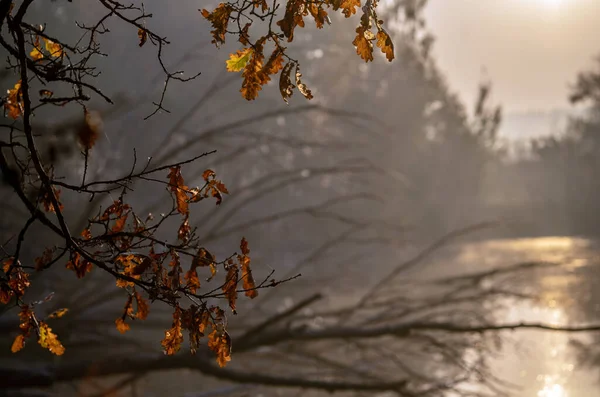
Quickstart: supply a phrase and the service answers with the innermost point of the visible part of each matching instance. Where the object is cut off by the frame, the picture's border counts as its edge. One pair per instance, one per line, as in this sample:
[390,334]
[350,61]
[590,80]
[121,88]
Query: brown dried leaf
[230,287]
[207,174]
[177,186]
[318,13]
[286,87]
[79,265]
[90,129]
[219,19]
[301,86]
[294,12]
[19,281]
[143,36]
[253,78]
[5,293]
[184,231]
[244,37]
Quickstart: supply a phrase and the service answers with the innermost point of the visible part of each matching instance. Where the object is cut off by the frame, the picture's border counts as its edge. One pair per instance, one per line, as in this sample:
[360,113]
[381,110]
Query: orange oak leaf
[384,42]
[247,278]
[18,343]
[26,319]
[131,268]
[191,277]
[220,343]
[47,199]
[349,7]
[44,260]
[121,325]
[79,265]
[142,306]
[173,336]
[86,234]
[14,101]
[364,47]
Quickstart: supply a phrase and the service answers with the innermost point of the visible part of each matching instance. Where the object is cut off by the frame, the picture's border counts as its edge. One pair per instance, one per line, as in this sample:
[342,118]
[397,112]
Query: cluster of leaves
[257,72]
[120,242]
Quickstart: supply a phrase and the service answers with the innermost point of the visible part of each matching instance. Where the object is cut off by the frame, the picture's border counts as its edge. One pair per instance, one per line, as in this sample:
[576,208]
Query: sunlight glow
[554,390]
[551,3]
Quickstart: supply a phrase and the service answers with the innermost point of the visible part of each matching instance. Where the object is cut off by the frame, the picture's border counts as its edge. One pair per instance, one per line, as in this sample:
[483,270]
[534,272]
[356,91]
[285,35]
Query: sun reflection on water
[553,390]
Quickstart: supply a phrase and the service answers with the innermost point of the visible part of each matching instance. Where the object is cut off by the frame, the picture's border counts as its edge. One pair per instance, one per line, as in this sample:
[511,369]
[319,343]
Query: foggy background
[490,113]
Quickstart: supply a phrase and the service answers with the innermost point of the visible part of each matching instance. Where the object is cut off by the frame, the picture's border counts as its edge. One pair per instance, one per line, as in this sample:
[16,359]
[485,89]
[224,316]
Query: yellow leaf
[36,53]
[53,48]
[58,313]
[238,61]
[47,339]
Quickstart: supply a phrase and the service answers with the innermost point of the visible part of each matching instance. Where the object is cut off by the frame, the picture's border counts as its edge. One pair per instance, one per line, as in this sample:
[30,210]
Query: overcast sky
[530,49]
